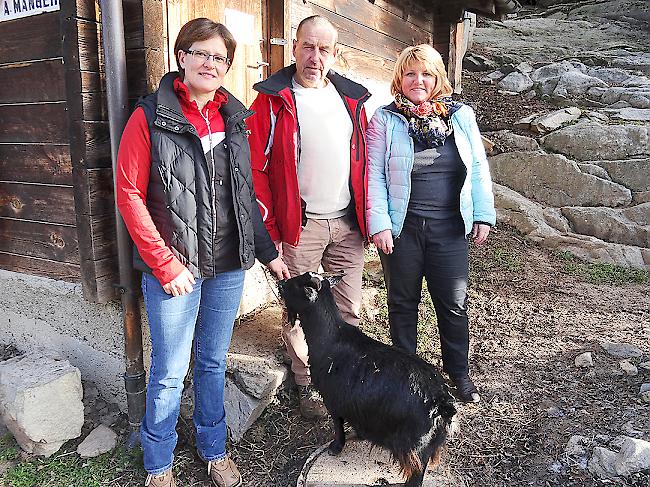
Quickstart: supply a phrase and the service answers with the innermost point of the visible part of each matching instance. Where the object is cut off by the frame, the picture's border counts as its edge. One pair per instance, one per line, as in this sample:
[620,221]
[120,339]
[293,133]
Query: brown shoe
[165,479]
[311,404]
[224,473]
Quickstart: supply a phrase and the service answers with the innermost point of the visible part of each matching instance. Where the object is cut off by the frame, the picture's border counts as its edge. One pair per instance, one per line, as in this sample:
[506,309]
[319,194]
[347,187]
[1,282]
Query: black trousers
[436,250]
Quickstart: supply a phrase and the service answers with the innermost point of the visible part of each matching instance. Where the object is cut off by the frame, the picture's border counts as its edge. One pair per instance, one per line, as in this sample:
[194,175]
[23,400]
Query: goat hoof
[335,448]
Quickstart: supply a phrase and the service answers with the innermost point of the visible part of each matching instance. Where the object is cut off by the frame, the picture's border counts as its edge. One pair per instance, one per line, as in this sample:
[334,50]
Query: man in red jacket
[309,156]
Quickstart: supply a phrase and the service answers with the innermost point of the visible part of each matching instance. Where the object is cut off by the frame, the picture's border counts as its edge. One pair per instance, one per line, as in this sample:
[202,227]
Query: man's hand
[181,284]
[279,268]
[384,241]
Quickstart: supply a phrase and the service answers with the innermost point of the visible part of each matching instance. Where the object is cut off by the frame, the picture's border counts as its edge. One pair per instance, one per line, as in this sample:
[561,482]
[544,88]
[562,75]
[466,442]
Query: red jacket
[275,150]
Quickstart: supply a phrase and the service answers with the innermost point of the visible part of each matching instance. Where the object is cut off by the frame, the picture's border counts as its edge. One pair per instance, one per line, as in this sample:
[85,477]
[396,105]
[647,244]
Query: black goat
[391,398]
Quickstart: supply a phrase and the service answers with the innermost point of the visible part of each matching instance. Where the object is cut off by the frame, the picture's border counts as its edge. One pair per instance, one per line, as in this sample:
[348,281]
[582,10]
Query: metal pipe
[118,112]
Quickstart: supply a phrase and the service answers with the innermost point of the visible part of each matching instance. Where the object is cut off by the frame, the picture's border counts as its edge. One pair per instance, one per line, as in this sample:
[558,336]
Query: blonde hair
[431,60]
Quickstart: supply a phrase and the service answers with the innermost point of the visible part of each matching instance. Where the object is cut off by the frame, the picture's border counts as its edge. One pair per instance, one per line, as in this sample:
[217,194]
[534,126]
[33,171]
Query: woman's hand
[279,268]
[181,284]
[384,241]
[480,232]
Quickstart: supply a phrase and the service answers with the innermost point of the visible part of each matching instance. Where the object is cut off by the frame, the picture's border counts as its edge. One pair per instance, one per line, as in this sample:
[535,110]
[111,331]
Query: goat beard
[291,318]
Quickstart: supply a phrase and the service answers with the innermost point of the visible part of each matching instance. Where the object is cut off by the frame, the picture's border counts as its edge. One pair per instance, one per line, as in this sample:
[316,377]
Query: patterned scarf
[430,121]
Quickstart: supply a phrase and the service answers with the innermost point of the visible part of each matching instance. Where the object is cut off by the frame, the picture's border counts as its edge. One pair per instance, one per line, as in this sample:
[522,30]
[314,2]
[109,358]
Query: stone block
[41,401]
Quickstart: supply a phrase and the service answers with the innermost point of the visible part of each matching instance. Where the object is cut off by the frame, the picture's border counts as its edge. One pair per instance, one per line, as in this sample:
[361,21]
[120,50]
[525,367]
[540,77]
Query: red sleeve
[132,181]
[261,140]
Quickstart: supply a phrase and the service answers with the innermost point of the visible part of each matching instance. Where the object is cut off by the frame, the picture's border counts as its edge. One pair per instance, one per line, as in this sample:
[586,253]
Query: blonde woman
[429,188]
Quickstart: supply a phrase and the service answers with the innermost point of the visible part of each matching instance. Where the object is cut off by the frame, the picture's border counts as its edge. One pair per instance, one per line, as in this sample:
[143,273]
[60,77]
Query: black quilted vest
[180,195]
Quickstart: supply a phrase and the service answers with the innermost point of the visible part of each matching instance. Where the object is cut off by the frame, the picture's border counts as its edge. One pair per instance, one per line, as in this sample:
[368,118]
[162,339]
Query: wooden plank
[410,12]
[39,122]
[87,9]
[32,81]
[373,17]
[456,53]
[36,239]
[36,163]
[88,39]
[133,24]
[136,73]
[279,27]
[40,267]
[97,144]
[94,107]
[154,14]
[99,235]
[94,193]
[45,203]
[355,35]
[92,81]
[36,37]
[352,60]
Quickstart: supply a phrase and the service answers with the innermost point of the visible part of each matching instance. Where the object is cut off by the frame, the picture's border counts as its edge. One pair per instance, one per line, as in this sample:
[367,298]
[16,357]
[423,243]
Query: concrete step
[359,465]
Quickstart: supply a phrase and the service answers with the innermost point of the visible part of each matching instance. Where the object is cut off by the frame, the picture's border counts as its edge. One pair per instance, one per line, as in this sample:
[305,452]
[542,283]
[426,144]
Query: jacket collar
[169,106]
[281,80]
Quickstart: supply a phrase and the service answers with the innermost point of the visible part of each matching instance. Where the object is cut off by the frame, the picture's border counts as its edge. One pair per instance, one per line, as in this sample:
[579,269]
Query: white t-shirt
[324,161]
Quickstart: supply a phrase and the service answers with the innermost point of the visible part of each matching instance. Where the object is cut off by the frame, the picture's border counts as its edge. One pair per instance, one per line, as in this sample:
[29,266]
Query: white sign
[242,26]
[17,9]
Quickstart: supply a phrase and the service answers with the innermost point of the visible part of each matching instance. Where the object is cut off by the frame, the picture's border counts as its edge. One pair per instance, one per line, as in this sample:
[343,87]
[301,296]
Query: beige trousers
[337,246]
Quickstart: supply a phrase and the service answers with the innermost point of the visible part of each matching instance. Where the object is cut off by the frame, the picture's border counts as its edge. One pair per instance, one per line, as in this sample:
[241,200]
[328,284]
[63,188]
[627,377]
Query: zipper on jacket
[212,179]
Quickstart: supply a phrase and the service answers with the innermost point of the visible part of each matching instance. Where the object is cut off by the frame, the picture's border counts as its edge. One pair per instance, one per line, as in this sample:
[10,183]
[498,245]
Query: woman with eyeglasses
[185,191]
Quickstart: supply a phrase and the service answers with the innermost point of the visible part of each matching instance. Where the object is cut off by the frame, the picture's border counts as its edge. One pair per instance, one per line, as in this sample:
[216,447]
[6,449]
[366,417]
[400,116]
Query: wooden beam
[39,202]
[32,81]
[456,53]
[279,30]
[36,163]
[38,122]
[36,37]
[154,13]
[38,239]
[40,267]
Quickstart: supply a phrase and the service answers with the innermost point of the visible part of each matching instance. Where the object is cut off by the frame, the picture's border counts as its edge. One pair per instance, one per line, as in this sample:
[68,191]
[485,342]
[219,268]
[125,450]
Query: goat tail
[410,463]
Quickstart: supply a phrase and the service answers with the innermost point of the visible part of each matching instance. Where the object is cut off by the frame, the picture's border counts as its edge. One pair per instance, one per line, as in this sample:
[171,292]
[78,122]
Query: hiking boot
[465,389]
[165,479]
[224,473]
[311,404]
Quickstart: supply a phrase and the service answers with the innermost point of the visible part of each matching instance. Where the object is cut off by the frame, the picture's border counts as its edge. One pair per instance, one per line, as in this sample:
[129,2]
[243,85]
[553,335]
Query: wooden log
[36,37]
[380,20]
[409,12]
[279,21]
[94,107]
[40,267]
[456,53]
[155,42]
[88,40]
[32,81]
[97,144]
[133,24]
[352,60]
[38,123]
[38,202]
[361,37]
[94,193]
[36,239]
[36,163]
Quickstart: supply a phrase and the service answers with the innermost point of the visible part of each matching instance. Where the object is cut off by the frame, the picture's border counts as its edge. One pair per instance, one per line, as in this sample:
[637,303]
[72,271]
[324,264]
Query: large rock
[622,350]
[554,180]
[574,83]
[612,225]
[588,141]
[602,462]
[631,114]
[516,82]
[632,173]
[633,457]
[506,141]
[525,215]
[555,120]
[41,401]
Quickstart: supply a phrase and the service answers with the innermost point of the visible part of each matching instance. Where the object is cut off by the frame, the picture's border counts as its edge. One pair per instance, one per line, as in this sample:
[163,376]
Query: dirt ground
[530,317]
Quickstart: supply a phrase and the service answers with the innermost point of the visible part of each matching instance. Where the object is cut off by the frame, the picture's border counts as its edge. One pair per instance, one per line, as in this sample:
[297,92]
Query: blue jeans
[206,315]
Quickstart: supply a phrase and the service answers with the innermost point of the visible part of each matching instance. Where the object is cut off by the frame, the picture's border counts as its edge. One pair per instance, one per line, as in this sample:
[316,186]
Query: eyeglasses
[203,56]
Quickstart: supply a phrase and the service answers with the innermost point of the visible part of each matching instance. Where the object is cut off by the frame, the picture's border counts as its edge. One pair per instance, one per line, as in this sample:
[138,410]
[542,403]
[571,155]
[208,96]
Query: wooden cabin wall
[371,34]
[37,213]
[90,150]
[56,192]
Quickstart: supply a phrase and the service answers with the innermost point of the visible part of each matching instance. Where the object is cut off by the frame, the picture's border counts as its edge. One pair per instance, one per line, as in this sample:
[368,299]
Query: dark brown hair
[202,29]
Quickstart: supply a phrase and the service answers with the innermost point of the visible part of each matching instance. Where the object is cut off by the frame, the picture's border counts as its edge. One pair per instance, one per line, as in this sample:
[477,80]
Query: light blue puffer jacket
[390,161]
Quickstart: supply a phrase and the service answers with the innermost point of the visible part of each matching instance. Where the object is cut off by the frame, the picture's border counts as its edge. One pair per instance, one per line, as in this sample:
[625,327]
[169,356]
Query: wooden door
[246,19]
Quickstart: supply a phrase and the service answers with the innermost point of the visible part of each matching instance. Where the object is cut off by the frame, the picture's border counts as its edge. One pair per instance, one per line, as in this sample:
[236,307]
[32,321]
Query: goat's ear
[316,282]
[333,278]
[311,293]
